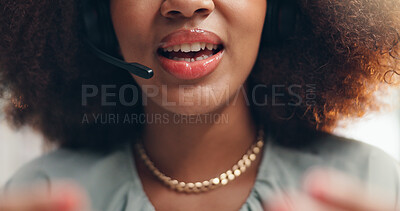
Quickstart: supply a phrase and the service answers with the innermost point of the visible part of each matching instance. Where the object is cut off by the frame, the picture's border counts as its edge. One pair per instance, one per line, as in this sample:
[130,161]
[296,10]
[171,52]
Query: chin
[193,108]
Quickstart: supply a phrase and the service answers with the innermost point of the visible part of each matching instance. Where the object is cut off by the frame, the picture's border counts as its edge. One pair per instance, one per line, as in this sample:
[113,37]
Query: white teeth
[185,48]
[178,59]
[203,45]
[210,46]
[191,59]
[194,47]
[177,48]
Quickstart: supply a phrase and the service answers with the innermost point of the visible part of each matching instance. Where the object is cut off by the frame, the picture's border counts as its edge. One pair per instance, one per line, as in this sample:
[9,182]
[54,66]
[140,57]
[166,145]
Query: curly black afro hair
[344,49]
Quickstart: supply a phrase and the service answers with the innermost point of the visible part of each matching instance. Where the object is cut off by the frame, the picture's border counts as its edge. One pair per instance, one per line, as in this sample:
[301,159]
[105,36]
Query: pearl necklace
[195,187]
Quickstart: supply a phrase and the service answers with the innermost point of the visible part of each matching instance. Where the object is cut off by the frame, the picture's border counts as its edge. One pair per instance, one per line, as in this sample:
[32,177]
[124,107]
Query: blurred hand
[63,197]
[328,190]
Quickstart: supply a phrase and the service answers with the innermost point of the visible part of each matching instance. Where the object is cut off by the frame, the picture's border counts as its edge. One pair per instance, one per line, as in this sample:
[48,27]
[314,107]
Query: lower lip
[191,70]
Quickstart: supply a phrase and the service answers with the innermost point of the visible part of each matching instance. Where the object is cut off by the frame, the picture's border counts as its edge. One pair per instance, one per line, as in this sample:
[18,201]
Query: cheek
[245,19]
[247,16]
[132,22]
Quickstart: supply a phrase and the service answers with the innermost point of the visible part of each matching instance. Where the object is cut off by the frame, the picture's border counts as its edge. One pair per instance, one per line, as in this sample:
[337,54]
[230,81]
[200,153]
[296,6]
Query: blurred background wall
[16,148]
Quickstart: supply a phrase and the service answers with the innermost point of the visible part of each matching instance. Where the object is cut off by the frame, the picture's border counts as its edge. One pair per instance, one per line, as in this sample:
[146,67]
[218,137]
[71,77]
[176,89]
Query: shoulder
[326,149]
[108,179]
[365,162]
[65,164]
[362,160]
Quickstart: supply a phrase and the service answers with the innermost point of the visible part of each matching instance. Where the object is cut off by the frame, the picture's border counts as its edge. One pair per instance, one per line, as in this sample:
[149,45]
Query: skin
[197,152]
[152,21]
[185,144]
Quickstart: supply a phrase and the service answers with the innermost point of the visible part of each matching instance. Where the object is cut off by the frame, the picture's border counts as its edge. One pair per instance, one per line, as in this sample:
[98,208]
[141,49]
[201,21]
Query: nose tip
[186,8]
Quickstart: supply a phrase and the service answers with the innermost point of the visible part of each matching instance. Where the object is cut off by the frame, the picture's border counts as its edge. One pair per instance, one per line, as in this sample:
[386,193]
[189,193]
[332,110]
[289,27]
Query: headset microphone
[101,40]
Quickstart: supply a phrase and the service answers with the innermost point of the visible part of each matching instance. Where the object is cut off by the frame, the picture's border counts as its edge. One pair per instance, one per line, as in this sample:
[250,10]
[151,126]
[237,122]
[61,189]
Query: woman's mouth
[190,54]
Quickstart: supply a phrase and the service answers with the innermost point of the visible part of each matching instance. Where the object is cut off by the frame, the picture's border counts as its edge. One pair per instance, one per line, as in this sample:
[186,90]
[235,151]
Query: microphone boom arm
[134,68]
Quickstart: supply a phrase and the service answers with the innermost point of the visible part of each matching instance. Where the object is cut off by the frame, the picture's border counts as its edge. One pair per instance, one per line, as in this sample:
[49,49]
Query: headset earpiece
[99,28]
[280,22]
[101,39]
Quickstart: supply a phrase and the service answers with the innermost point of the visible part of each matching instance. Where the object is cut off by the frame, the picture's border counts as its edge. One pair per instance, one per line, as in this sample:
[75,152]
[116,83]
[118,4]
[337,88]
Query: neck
[193,151]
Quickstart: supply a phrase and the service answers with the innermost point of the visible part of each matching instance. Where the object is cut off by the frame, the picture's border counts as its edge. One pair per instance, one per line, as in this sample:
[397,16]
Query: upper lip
[190,36]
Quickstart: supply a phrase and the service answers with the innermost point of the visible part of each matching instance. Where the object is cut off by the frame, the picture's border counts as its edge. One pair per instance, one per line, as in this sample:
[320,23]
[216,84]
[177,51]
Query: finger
[63,197]
[343,191]
[298,202]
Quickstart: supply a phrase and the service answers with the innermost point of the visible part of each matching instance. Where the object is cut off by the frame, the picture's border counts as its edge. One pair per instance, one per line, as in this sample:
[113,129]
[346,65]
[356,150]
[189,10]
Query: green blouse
[112,182]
